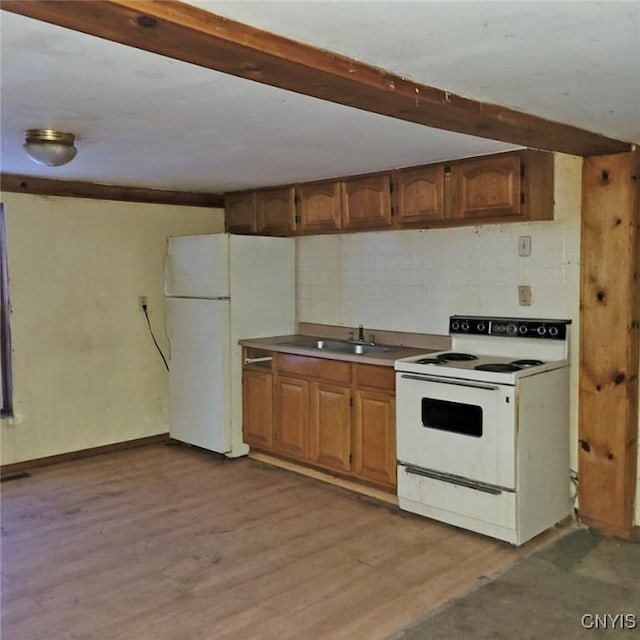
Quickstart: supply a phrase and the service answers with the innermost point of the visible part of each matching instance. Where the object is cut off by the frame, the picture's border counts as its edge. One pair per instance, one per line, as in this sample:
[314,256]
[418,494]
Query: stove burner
[527,363]
[430,361]
[499,367]
[453,356]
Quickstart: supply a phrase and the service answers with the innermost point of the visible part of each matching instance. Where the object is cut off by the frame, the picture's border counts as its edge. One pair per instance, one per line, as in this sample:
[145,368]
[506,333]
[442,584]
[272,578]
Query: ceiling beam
[16,183]
[184,32]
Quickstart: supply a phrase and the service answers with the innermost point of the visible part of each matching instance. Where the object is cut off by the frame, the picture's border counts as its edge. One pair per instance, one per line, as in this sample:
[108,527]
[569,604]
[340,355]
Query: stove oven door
[457,427]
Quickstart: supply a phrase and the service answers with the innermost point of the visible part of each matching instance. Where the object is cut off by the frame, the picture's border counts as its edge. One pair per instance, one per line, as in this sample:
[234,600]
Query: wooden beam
[184,32]
[609,344]
[16,183]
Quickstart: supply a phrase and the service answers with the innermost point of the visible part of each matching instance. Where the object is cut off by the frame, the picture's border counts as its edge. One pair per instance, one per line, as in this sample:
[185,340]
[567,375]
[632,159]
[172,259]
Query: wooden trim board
[16,183]
[378,494]
[184,32]
[8,470]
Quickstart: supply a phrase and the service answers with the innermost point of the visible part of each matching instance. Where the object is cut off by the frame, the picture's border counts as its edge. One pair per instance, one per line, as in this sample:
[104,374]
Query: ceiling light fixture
[49,147]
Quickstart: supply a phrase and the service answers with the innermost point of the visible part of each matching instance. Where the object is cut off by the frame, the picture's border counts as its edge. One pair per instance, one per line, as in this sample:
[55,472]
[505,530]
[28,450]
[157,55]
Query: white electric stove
[483,429]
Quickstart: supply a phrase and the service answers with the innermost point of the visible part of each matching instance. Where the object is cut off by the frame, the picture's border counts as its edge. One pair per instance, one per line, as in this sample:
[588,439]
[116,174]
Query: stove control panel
[509,327]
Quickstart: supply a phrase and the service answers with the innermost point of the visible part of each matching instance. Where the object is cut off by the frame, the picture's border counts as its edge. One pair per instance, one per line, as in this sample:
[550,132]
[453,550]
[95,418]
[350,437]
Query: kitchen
[113,388]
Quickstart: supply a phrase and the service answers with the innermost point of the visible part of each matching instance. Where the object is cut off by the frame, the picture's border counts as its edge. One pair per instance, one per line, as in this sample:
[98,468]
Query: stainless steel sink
[369,348]
[339,346]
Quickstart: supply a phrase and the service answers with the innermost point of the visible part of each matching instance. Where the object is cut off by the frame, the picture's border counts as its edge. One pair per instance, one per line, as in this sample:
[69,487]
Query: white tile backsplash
[413,280]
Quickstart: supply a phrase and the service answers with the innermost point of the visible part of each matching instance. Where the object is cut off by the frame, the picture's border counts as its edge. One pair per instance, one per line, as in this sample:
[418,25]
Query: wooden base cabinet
[330,426]
[291,429]
[334,415]
[257,408]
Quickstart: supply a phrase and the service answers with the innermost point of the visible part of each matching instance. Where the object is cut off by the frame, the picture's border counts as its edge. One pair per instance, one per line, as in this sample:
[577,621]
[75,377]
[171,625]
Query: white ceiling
[145,120]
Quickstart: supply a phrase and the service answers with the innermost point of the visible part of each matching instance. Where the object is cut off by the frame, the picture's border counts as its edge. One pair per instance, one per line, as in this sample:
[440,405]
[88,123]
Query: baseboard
[631,533]
[372,492]
[21,467]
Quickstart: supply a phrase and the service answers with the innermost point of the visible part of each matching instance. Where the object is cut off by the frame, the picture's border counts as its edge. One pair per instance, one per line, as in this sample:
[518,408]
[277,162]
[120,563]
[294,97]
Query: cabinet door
[291,428]
[374,447]
[319,207]
[257,409]
[366,202]
[240,212]
[487,187]
[276,211]
[330,426]
[420,195]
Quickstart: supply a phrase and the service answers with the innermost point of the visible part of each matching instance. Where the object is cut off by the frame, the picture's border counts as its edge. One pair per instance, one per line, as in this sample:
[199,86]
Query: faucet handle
[372,338]
[351,335]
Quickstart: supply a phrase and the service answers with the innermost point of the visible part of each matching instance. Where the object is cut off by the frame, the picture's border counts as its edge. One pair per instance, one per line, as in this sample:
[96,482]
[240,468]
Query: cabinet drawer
[332,370]
[367,375]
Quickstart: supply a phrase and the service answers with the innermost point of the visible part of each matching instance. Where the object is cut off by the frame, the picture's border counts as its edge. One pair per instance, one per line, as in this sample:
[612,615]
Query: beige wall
[413,280]
[86,372]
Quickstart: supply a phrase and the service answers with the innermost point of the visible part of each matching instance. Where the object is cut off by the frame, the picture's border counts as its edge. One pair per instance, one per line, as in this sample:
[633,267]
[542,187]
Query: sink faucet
[361,338]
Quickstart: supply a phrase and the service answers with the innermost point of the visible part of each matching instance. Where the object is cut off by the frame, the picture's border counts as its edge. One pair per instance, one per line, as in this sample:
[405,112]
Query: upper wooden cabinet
[419,193]
[240,212]
[516,185]
[505,187]
[366,202]
[276,211]
[319,207]
[486,187]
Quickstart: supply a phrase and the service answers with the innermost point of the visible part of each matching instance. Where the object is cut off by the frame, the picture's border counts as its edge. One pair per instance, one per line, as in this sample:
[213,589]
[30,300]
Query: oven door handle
[459,383]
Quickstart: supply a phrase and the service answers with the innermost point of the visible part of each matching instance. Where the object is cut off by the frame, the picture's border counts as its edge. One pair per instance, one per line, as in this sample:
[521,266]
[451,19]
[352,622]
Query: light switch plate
[524,246]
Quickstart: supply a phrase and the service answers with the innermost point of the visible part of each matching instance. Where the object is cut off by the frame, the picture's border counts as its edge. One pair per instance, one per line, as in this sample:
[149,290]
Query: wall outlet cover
[524,295]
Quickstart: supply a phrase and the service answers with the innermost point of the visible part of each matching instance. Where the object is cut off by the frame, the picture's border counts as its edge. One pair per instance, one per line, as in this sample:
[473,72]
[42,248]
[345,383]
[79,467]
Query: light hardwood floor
[171,543]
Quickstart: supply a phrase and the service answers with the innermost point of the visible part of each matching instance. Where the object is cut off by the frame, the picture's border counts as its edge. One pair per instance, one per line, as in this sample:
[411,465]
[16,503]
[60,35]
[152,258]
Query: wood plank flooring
[171,543]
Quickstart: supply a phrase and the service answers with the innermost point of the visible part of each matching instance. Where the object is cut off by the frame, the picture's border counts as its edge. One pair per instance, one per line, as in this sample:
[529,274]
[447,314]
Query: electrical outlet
[524,295]
[524,246]
[142,302]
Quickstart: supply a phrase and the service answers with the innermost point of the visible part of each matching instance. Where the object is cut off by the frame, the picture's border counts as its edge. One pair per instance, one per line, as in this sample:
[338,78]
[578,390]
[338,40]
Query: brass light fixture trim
[50,147]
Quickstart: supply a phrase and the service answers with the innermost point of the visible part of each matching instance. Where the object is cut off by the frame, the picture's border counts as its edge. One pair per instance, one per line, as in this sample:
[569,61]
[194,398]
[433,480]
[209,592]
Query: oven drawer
[493,514]
[459,427]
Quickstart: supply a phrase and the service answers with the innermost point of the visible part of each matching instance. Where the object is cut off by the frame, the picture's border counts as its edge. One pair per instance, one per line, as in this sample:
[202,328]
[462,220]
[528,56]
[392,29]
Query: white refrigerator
[220,288]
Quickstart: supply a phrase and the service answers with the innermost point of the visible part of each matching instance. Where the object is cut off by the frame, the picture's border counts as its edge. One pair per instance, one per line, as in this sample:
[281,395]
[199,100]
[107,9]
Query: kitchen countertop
[281,344]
